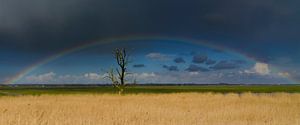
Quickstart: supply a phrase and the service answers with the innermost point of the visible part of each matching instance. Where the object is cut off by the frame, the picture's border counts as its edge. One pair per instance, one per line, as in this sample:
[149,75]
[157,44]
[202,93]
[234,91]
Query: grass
[152,109]
[159,105]
[150,89]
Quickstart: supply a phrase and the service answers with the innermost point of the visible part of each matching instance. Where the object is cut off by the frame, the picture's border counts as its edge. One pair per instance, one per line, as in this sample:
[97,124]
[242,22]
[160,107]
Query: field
[152,109]
[151,105]
[39,90]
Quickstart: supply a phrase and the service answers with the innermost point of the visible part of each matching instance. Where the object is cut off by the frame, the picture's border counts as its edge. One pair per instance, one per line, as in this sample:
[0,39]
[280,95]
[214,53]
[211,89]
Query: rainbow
[65,52]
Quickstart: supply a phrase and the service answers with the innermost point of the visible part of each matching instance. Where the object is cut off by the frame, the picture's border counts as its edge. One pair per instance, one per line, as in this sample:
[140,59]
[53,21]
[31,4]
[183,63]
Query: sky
[170,41]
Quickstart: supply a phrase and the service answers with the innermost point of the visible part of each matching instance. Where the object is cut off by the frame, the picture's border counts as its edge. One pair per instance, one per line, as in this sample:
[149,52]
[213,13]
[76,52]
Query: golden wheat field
[152,109]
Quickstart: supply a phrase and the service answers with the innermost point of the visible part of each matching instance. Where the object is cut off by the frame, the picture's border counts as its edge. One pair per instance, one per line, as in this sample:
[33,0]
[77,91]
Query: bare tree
[119,80]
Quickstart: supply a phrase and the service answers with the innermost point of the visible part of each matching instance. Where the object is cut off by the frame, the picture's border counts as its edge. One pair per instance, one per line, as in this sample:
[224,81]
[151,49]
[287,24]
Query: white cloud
[93,76]
[194,73]
[250,76]
[259,68]
[284,74]
[251,71]
[158,56]
[42,78]
[144,77]
[147,75]
[53,78]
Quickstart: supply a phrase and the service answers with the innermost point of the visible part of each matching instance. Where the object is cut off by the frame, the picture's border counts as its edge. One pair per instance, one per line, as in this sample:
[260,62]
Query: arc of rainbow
[46,60]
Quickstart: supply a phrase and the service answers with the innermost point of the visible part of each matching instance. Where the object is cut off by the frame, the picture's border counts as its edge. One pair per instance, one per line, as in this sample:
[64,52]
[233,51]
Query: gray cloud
[171,68]
[210,62]
[239,61]
[225,65]
[158,56]
[195,68]
[138,65]
[179,60]
[199,58]
[193,53]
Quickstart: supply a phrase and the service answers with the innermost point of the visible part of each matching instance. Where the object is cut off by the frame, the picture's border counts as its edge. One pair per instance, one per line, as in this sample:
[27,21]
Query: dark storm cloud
[199,58]
[138,65]
[219,50]
[210,62]
[239,61]
[195,68]
[171,68]
[193,53]
[225,65]
[179,60]
[52,25]
[262,29]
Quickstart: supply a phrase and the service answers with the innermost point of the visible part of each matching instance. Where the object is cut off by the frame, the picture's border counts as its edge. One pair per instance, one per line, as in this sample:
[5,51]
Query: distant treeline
[149,84]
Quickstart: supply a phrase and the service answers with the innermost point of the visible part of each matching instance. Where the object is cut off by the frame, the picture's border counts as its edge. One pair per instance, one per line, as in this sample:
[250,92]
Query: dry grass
[152,109]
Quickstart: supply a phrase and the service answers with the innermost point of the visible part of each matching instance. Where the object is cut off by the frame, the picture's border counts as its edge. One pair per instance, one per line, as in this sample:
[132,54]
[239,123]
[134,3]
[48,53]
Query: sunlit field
[152,109]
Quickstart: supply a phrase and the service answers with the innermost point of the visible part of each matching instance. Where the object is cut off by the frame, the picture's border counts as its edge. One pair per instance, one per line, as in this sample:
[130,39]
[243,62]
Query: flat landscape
[39,90]
[152,109]
[149,62]
[151,105]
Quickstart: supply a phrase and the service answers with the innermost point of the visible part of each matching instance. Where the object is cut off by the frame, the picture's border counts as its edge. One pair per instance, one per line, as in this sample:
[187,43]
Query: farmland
[152,109]
[151,105]
[39,90]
